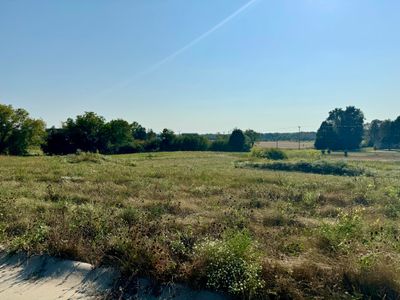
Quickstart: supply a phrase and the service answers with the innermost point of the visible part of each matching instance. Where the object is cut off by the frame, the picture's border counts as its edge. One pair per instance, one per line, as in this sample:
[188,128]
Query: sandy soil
[46,278]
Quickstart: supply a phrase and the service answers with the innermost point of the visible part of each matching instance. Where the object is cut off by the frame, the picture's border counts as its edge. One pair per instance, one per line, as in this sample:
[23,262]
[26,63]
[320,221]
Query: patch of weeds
[339,237]
[376,279]
[32,239]
[277,219]
[181,245]
[256,203]
[392,205]
[206,191]
[130,216]
[87,222]
[285,215]
[158,209]
[90,157]
[310,200]
[329,211]
[231,264]
[236,218]
[269,153]
[57,194]
[293,248]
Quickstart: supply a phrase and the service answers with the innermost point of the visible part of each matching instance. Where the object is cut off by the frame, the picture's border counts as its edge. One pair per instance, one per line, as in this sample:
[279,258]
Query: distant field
[286,145]
[378,155]
[202,219]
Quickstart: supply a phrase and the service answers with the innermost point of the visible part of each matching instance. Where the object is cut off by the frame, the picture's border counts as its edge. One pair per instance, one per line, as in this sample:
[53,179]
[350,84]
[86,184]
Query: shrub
[317,167]
[86,157]
[269,153]
[232,264]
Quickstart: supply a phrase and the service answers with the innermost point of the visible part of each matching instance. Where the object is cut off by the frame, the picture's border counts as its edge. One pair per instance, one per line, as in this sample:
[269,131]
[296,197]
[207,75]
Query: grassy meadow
[214,221]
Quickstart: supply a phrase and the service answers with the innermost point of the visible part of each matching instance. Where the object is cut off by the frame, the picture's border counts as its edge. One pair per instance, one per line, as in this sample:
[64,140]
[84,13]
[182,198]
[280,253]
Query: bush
[86,157]
[317,167]
[232,264]
[269,153]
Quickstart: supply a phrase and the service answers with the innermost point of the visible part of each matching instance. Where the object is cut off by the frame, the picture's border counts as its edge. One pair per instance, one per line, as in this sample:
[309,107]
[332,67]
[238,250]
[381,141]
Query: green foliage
[138,131]
[269,153]
[392,204]
[232,264]
[87,132]
[237,141]
[342,130]
[220,144]
[326,136]
[130,216]
[90,157]
[383,134]
[118,134]
[341,235]
[318,167]
[18,131]
[252,136]
[191,142]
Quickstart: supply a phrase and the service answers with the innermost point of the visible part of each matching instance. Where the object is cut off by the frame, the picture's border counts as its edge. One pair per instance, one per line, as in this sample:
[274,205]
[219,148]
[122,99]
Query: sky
[201,66]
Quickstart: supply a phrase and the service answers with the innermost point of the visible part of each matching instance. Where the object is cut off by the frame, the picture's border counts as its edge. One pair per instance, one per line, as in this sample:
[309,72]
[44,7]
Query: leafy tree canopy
[18,131]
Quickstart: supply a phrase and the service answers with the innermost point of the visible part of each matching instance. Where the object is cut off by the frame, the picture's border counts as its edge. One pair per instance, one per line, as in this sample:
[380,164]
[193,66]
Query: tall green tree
[386,135]
[237,141]
[396,132]
[87,132]
[138,131]
[252,136]
[167,140]
[18,131]
[348,126]
[326,137]
[373,136]
[118,134]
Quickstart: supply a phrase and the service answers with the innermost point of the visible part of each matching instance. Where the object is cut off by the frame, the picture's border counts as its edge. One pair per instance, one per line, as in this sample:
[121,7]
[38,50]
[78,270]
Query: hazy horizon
[204,66]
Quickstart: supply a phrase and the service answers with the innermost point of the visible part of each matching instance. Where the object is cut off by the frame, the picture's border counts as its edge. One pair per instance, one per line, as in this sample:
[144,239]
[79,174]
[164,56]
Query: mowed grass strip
[193,217]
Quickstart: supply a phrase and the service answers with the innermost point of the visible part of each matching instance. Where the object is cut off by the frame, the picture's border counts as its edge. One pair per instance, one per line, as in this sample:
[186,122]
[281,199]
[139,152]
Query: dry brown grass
[286,145]
[314,235]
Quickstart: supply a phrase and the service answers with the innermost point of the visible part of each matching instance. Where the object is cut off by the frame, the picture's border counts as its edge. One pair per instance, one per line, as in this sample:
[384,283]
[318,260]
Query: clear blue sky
[275,65]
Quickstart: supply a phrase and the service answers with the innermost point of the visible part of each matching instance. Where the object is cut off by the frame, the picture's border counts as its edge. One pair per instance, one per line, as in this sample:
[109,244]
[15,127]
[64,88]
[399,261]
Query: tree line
[383,134]
[344,130]
[90,132]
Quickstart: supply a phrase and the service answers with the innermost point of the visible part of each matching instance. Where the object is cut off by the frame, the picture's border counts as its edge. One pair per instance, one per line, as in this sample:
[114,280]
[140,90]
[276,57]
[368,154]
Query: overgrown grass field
[213,221]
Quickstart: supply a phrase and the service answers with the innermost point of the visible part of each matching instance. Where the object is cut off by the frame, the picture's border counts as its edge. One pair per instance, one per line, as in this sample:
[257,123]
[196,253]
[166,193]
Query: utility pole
[299,136]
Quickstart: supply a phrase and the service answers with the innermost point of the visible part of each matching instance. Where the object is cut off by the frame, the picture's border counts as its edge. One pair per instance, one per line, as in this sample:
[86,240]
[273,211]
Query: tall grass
[194,218]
